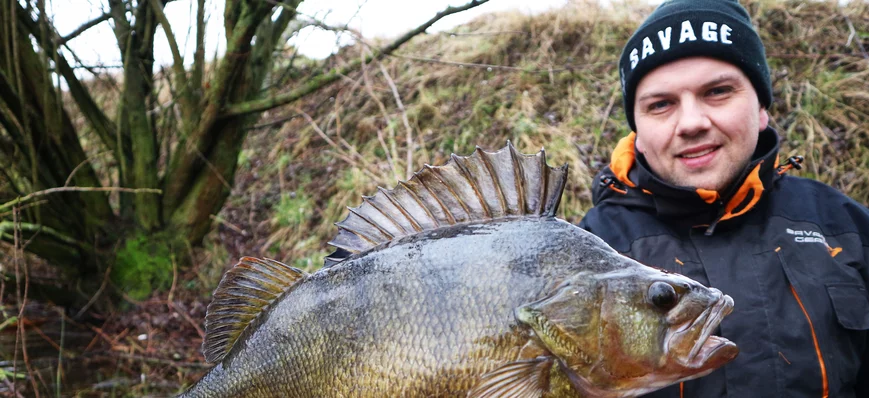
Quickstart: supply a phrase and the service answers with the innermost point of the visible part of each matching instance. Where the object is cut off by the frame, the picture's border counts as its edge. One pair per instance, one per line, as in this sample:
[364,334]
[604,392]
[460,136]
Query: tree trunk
[66,214]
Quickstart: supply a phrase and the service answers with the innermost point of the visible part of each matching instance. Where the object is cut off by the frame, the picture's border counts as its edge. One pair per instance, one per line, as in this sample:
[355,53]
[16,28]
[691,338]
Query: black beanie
[677,29]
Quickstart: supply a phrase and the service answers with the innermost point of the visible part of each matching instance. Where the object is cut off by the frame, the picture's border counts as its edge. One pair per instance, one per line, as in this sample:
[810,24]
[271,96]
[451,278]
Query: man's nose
[693,117]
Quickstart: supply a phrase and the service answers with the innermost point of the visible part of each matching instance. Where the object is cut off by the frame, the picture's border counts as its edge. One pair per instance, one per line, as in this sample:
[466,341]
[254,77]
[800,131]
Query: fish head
[631,331]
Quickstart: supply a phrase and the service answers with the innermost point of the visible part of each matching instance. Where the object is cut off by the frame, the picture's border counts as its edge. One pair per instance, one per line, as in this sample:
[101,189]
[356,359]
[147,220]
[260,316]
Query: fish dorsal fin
[527,378]
[482,186]
[245,291]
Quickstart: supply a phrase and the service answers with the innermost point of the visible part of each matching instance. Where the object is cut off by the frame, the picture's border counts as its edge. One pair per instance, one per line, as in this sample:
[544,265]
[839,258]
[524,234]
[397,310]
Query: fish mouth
[695,346]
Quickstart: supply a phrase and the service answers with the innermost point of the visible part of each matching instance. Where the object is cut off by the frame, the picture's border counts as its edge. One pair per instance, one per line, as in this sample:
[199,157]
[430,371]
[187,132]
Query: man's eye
[657,106]
[719,90]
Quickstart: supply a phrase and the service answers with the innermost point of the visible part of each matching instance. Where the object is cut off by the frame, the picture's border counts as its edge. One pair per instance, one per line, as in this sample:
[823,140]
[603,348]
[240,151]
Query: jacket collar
[629,181]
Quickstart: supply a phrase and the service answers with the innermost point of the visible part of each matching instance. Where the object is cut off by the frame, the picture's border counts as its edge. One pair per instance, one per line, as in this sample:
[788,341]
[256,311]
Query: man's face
[697,122]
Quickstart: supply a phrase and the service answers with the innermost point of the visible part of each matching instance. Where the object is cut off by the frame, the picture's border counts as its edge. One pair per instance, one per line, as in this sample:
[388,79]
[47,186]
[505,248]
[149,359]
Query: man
[698,189]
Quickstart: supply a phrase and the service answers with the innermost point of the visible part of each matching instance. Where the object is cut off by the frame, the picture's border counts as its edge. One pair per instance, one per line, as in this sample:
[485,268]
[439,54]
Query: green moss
[244,158]
[293,210]
[143,265]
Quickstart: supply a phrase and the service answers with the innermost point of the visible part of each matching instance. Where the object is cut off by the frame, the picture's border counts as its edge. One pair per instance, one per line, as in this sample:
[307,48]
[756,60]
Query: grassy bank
[541,81]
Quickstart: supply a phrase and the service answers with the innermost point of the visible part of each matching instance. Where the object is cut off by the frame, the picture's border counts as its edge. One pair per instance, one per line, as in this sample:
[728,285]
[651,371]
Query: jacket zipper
[826,388]
[721,210]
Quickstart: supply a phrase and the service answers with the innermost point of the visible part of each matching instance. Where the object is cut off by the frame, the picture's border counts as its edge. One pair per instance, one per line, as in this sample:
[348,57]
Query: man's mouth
[692,154]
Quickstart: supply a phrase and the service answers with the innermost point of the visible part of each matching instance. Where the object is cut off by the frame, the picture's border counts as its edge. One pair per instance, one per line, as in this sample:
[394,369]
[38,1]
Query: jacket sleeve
[585,223]
[862,388]
[862,219]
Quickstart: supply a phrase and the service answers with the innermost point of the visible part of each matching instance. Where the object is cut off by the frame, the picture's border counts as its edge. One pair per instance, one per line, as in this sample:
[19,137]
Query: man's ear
[763,119]
[638,143]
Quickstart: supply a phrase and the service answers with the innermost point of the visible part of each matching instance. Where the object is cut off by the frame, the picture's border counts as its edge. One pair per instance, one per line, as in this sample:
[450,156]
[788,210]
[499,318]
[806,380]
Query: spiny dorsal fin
[527,378]
[483,186]
[245,291]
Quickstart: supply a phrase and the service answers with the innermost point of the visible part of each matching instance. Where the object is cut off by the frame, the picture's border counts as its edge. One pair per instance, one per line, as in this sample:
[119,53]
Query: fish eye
[663,296]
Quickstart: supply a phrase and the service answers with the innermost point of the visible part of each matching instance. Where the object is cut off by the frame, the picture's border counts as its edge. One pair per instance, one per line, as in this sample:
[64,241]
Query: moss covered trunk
[64,207]
[131,181]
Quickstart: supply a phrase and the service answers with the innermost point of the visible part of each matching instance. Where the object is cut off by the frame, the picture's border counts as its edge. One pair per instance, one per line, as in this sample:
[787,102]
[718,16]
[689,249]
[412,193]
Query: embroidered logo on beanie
[710,32]
[678,29]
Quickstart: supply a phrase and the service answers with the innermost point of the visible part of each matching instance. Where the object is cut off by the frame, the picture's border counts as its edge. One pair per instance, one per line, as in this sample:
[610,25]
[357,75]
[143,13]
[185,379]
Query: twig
[229,225]
[502,67]
[273,122]
[87,25]
[852,35]
[112,341]
[178,61]
[171,302]
[335,74]
[44,336]
[90,68]
[161,361]
[319,130]
[83,162]
[213,169]
[29,205]
[808,56]
[495,33]
[16,261]
[36,229]
[606,117]
[60,353]
[77,189]
[22,303]
[390,156]
[11,387]
[338,150]
[409,165]
[96,295]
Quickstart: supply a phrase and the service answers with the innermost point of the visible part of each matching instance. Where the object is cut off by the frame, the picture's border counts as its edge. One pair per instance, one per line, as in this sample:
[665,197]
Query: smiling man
[698,189]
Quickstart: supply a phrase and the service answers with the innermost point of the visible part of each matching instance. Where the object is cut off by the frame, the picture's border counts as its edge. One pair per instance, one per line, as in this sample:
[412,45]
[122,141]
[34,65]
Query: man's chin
[709,184]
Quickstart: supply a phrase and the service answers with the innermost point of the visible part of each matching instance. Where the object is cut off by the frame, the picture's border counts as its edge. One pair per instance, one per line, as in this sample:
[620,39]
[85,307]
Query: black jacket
[792,252]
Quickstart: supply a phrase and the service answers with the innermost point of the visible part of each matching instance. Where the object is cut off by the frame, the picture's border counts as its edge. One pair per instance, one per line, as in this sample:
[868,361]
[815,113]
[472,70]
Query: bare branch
[854,34]
[77,189]
[335,74]
[82,164]
[199,53]
[394,88]
[390,151]
[118,10]
[36,228]
[92,112]
[501,67]
[178,61]
[81,29]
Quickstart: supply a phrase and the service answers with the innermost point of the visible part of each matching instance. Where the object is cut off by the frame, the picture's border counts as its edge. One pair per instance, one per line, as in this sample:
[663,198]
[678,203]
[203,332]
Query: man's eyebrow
[724,78]
[652,95]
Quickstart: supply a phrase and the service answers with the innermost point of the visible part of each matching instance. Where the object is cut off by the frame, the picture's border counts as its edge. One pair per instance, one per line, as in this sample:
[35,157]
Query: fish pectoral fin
[528,378]
[245,291]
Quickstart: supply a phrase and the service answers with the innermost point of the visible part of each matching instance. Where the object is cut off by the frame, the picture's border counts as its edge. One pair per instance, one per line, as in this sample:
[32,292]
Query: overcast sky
[383,18]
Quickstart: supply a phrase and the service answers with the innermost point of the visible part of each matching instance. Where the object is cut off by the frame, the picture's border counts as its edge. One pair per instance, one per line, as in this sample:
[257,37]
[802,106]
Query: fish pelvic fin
[479,187]
[245,291]
[527,378]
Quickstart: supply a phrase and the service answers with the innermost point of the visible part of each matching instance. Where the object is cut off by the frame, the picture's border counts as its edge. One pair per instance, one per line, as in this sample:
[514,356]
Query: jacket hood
[628,181]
